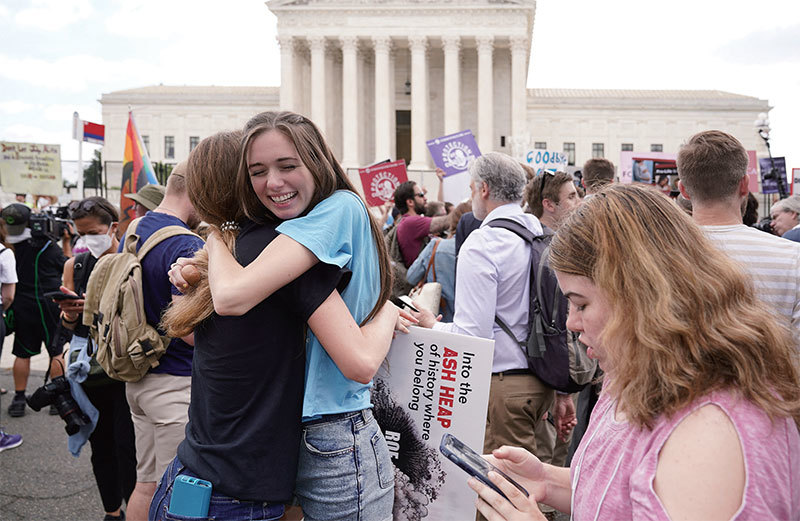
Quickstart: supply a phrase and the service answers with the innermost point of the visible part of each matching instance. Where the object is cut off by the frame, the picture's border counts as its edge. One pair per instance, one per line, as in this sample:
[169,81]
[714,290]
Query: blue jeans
[221,507]
[345,471]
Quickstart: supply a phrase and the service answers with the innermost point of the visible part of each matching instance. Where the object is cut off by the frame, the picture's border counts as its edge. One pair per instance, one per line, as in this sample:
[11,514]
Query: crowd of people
[677,395]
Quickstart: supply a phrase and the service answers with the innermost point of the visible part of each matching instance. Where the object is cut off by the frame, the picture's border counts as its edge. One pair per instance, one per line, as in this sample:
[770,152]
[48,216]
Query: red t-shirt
[410,231]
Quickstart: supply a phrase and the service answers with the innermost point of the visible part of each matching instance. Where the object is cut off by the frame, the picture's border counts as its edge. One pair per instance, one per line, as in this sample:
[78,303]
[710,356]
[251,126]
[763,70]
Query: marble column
[383,94]
[519,80]
[452,84]
[318,87]
[287,101]
[350,117]
[419,102]
[485,93]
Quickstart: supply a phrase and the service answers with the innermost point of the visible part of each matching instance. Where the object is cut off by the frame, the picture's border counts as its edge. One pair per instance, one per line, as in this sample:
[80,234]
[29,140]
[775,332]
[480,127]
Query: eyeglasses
[544,174]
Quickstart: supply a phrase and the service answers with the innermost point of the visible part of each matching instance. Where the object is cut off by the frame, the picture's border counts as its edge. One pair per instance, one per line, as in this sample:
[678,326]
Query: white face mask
[97,244]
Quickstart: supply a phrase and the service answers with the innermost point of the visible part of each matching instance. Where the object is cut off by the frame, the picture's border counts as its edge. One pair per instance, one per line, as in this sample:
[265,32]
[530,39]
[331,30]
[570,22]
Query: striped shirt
[773,262]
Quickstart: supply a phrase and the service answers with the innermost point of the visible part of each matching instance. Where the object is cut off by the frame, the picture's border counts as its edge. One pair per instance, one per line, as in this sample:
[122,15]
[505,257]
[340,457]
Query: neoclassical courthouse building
[380,77]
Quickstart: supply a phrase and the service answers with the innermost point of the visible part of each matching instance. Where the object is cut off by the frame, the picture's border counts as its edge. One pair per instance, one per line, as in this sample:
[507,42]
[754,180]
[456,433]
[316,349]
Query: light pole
[762,127]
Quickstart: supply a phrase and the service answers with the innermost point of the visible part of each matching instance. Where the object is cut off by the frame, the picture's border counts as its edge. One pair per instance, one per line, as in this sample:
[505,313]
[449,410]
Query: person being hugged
[288,173]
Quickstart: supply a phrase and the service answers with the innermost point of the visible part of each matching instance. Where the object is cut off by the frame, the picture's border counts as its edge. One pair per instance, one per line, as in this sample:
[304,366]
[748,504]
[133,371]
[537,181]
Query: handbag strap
[430,265]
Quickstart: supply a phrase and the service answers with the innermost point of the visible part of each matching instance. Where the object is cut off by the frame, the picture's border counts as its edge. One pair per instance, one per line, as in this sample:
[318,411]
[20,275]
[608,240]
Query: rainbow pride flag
[137,171]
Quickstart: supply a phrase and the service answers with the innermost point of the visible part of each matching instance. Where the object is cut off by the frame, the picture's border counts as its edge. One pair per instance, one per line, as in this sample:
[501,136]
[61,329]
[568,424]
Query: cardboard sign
[432,383]
[454,153]
[550,160]
[380,181]
[770,186]
[30,168]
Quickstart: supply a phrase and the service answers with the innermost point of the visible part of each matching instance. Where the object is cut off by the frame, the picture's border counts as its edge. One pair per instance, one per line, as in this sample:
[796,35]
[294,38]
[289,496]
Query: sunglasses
[546,174]
[420,195]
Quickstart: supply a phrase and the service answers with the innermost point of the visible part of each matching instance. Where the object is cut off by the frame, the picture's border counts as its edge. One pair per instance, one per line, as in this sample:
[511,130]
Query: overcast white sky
[59,56]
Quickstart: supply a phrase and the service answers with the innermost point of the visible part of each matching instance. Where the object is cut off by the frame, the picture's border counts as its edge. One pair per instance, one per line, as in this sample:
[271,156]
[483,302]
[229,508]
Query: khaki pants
[517,404]
[160,411]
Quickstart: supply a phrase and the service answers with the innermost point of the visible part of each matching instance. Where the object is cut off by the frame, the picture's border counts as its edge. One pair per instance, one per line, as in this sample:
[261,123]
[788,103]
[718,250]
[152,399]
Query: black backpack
[554,354]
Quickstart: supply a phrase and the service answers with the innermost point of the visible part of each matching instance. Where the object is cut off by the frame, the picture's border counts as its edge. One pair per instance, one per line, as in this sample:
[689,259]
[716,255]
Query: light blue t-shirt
[337,231]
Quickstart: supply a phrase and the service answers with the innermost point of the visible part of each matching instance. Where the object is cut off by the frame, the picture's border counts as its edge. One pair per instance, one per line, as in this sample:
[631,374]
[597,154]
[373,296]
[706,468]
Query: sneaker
[9,441]
[17,407]
[53,410]
[120,517]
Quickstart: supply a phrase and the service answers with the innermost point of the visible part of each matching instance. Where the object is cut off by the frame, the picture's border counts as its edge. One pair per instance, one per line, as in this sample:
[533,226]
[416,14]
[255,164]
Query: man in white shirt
[492,278]
[712,167]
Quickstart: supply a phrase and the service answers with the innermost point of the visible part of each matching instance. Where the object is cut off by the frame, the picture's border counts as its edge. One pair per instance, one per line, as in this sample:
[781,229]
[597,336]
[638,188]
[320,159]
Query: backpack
[400,284]
[127,346]
[554,354]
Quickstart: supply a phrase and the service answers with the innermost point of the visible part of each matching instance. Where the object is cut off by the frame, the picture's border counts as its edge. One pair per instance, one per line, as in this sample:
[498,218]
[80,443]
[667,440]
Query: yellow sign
[30,168]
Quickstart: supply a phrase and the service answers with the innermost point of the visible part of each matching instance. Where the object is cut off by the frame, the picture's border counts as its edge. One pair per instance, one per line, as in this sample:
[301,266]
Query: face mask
[97,244]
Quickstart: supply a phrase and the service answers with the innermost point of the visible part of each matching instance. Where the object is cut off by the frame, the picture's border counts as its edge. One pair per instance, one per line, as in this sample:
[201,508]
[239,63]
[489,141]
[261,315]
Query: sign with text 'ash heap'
[454,153]
[432,383]
[379,181]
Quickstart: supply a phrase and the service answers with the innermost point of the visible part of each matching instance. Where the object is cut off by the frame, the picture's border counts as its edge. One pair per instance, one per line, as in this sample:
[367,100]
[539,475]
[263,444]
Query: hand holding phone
[58,295]
[473,463]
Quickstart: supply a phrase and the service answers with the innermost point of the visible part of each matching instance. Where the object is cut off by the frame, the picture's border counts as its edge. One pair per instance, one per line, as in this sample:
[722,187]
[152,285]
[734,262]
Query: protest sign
[432,383]
[30,168]
[549,160]
[453,153]
[640,167]
[770,185]
[379,181]
[795,180]
[752,171]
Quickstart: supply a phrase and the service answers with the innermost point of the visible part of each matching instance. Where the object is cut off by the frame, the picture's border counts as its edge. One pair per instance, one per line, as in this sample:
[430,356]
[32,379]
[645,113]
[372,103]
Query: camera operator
[39,265]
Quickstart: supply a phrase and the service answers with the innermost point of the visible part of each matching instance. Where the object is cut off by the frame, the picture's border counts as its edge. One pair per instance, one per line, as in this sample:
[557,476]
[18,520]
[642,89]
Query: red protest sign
[379,181]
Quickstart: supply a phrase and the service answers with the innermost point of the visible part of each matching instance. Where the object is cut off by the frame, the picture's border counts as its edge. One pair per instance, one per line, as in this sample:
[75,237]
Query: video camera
[50,223]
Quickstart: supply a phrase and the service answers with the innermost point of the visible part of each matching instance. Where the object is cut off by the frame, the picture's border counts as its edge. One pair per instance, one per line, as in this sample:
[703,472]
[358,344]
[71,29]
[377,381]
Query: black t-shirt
[40,265]
[247,384]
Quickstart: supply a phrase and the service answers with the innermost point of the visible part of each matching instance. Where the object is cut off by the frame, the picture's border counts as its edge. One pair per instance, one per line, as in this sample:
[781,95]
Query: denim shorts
[221,507]
[345,471]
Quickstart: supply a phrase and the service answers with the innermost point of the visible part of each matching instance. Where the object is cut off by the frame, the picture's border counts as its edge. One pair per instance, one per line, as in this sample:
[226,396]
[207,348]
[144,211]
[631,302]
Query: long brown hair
[328,176]
[210,182]
[685,319]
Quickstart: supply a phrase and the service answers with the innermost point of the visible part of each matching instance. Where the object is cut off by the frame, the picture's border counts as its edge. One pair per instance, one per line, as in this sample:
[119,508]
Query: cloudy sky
[59,56]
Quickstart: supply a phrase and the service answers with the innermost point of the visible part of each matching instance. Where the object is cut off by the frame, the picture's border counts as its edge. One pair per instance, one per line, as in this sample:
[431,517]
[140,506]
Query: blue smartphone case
[190,496]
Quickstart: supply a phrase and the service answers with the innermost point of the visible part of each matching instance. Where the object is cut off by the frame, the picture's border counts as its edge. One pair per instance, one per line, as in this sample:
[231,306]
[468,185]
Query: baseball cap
[149,196]
[16,218]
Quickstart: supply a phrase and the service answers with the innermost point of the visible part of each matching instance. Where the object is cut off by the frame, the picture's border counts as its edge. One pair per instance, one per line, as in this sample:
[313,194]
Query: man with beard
[413,227]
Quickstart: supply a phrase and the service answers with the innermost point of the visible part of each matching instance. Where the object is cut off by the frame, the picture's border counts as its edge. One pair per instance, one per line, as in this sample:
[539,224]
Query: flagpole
[77,132]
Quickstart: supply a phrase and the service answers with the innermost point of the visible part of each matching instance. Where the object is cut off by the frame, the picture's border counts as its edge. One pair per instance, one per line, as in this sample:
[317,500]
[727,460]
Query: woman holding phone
[698,417]
[112,441]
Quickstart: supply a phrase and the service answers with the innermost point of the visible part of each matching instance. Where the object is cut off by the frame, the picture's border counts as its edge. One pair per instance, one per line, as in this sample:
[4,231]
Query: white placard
[432,383]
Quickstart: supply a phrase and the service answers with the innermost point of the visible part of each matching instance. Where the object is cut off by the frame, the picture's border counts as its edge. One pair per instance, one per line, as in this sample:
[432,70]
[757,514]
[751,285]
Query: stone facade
[381,77]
